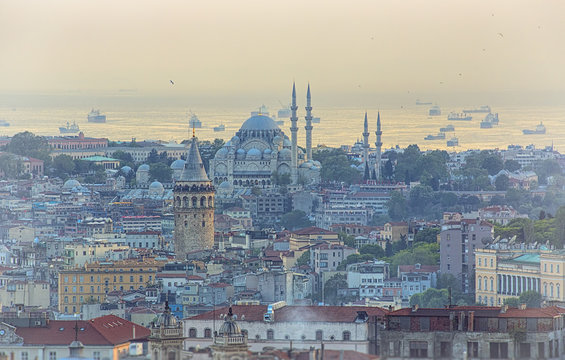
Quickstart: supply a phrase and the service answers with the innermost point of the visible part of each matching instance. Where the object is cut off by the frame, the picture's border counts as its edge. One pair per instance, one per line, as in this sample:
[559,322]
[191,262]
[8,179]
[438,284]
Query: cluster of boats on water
[489,121]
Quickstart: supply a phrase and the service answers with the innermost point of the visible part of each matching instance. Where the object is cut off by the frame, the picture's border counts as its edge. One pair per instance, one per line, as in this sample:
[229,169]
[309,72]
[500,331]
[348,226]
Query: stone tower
[366,140]
[294,136]
[193,206]
[308,126]
[379,144]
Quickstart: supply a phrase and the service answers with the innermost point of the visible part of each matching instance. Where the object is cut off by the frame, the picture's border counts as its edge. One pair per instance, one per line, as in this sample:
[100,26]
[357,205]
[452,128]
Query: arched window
[203,201]
[544,289]
[346,336]
[491,284]
[270,334]
[319,335]
[551,290]
[486,283]
[491,263]
[172,355]
[194,201]
[207,333]
[479,283]
[185,202]
[210,201]
[558,291]
[192,332]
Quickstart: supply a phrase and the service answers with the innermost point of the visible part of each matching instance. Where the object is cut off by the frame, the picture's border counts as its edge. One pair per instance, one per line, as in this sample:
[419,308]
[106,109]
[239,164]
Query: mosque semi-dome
[253,154]
[178,164]
[222,153]
[126,169]
[155,185]
[259,122]
[143,167]
[225,185]
[71,183]
[285,154]
[240,153]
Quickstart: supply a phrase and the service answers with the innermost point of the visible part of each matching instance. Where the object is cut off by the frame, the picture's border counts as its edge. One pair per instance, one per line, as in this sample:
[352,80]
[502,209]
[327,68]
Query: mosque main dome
[259,122]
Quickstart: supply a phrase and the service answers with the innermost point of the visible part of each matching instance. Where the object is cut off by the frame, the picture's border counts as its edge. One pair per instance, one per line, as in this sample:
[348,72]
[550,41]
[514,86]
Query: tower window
[203,223]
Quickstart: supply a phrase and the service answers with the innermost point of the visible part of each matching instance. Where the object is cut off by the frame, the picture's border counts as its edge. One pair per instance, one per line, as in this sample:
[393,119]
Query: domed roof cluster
[126,169]
[143,167]
[229,327]
[166,319]
[156,188]
[178,164]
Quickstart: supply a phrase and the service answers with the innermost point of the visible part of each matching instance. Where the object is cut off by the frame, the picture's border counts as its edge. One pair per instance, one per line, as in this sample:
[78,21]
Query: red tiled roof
[296,313]
[313,230]
[105,330]
[548,312]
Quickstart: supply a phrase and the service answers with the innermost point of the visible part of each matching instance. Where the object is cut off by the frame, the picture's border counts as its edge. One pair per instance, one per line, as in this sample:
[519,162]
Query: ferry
[95,116]
[435,111]
[262,111]
[453,142]
[439,136]
[480,109]
[459,116]
[194,122]
[418,102]
[284,111]
[448,128]
[489,120]
[69,129]
[539,130]
[4,123]
[219,128]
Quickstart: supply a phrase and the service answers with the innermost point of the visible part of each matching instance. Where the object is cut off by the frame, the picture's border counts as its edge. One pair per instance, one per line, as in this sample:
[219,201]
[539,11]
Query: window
[192,333]
[491,284]
[319,335]
[96,355]
[491,263]
[52,355]
[480,262]
[524,351]
[346,336]
[479,283]
[541,350]
[207,333]
[418,349]
[445,349]
[551,268]
[486,283]
[472,349]
[24,355]
[270,334]
[498,350]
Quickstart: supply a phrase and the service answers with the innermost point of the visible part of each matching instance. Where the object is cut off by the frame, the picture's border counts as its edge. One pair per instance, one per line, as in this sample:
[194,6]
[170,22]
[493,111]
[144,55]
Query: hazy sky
[248,48]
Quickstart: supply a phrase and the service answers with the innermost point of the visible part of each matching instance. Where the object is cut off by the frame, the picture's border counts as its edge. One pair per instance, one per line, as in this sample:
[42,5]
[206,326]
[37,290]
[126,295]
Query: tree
[153,157]
[431,298]
[304,259]
[336,282]
[27,144]
[502,182]
[374,250]
[420,253]
[10,166]
[348,240]
[295,219]
[428,235]
[512,165]
[421,197]
[397,209]
[336,166]
[160,172]
[532,299]
[492,163]
[63,165]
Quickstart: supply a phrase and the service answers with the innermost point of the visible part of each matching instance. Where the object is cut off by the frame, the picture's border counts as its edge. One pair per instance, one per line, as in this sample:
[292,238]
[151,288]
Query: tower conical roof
[193,168]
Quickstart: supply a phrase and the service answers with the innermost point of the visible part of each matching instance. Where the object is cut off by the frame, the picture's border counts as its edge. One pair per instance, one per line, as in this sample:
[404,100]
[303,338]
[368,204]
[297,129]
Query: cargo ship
[95,116]
[539,130]
[459,116]
[480,109]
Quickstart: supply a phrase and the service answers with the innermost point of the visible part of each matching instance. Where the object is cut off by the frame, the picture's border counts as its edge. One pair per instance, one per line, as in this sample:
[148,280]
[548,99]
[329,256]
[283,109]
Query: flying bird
[501,35]
[172,82]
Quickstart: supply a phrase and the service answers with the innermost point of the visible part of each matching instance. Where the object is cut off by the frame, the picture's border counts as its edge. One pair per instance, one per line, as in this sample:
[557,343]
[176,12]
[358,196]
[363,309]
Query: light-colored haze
[348,50]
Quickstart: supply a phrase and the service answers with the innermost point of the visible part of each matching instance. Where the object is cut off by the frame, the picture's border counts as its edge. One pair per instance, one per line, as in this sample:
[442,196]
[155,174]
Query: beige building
[92,282]
[28,293]
[311,236]
[77,254]
[501,274]
[394,231]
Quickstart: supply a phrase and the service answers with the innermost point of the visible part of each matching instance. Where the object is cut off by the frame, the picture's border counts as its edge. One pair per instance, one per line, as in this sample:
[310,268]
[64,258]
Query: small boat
[448,128]
[95,116]
[418,102]
[439,136]
[480,109]
[69,129]
[220,127]
[194,122]
[316,120]
[459,116]
[434,111]
[539,130]
[4,123]
[453,142]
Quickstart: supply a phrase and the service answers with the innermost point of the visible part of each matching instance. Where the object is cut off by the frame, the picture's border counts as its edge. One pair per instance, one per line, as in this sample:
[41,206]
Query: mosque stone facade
[259,150]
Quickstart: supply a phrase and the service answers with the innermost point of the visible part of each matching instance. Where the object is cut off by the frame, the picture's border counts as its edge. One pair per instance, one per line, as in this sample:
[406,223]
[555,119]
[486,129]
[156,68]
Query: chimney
[471,325]
[503,309]
[523,306]
[133,330]
[415,307]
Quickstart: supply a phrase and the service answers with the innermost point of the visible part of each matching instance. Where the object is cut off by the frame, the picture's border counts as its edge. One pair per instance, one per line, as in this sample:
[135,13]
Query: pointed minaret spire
[294,136]
[308,126]
[366,140]
[379,144]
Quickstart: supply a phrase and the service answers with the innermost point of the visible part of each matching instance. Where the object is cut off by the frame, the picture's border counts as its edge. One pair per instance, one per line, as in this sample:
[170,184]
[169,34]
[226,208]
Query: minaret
[379,144]
[308,126]
[193,206]
[366,140]
[294,136]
